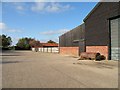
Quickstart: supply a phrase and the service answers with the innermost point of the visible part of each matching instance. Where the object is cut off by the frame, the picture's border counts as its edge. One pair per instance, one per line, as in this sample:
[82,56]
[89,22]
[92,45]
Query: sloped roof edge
[49,44]
[72,29]
[99,3]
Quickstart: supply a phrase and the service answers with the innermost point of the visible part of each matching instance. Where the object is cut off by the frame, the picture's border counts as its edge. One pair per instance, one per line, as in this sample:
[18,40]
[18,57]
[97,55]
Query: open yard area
[27,69]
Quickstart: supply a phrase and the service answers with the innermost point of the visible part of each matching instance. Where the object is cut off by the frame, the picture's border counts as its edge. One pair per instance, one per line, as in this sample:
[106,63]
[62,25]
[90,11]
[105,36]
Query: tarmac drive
[27,69]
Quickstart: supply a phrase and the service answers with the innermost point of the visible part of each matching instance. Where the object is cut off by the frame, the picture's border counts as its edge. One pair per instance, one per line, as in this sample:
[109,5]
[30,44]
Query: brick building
[69,42]
[101,29]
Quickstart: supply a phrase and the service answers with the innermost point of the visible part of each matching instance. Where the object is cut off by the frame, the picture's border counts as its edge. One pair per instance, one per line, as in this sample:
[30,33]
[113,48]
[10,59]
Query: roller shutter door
[115,43]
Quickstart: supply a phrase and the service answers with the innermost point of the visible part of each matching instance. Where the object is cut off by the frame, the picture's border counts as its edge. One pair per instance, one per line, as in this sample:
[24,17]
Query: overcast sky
[43,21]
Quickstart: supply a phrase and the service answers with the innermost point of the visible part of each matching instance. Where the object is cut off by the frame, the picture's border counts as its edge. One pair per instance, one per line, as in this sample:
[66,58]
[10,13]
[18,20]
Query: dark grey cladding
[97,23]
[68,39]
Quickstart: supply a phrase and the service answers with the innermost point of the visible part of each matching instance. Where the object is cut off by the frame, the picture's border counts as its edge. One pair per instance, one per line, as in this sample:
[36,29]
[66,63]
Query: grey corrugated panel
[119,32]
[114,33]
[114,39]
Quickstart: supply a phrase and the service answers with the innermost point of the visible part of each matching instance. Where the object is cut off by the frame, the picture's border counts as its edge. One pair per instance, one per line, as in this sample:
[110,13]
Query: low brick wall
[72,51]
[101,49]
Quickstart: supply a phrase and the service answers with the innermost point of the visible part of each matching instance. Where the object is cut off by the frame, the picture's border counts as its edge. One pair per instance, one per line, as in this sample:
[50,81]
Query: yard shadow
[9,55]
[9,62]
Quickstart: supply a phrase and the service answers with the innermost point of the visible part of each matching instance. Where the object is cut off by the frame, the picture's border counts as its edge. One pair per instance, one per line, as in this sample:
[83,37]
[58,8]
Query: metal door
[115,48]
[82,46]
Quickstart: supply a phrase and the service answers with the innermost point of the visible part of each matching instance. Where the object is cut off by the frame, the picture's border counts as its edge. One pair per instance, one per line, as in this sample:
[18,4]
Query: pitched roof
[50,44]
[98,4]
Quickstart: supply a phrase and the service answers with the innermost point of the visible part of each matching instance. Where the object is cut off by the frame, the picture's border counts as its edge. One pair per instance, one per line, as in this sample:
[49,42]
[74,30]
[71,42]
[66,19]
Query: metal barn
[72,42]
[99,33]
[101,29]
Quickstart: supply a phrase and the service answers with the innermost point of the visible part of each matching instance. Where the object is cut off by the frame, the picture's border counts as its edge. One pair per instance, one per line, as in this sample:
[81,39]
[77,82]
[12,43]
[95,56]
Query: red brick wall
[72,51]
[101,49]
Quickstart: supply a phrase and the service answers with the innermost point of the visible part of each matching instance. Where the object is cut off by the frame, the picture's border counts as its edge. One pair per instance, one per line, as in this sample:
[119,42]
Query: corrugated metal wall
[68,39]
[119,8]
[115,48]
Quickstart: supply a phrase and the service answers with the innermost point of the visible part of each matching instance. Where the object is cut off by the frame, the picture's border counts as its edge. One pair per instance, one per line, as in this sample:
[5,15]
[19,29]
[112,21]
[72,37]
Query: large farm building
[99,33]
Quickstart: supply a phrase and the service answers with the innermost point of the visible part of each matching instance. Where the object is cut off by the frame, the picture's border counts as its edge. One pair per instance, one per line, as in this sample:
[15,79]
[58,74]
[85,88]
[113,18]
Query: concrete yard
[27,69]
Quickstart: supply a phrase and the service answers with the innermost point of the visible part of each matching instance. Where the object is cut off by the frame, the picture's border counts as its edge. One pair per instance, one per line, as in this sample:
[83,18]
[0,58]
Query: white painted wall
[55,50]
[45,49]
[48,50]
[39,49]
[33,49]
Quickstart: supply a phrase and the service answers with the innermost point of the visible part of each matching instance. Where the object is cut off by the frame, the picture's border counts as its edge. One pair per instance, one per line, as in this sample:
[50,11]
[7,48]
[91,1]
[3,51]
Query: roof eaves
[92,11]
[72,29]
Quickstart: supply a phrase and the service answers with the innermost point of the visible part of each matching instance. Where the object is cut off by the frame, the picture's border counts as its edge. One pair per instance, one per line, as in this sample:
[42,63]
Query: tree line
[24,43]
